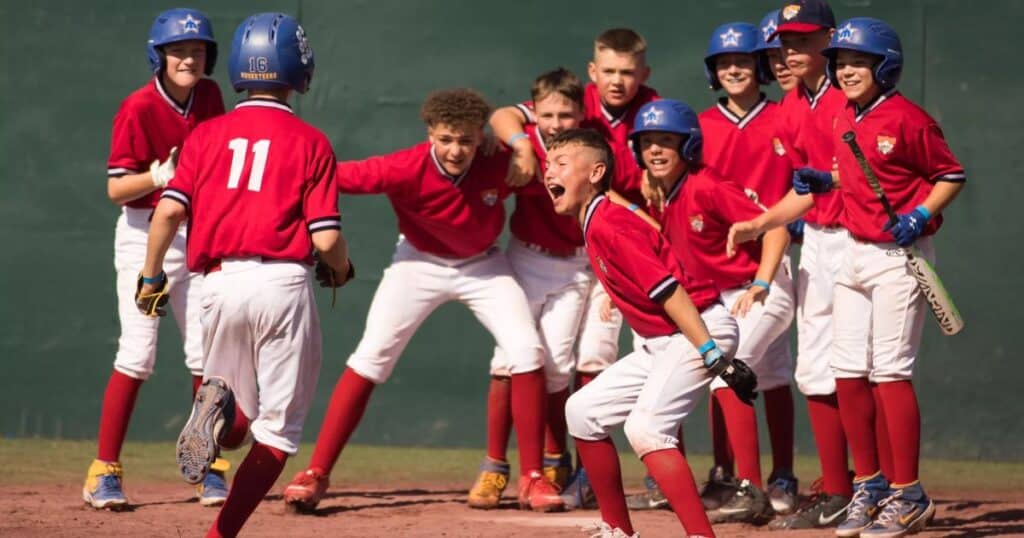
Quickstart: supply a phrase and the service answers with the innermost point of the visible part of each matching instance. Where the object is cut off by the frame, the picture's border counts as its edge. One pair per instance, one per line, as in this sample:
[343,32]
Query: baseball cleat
[720,487]
[489,485]
[103,486]
[782,491]
[603,530]
[538,494]
[823,512]
[907,510]
[197,445]
[213,491]
[558,469]
[306,490]
[748,505]
[867,493]
[577,493]
[651,499]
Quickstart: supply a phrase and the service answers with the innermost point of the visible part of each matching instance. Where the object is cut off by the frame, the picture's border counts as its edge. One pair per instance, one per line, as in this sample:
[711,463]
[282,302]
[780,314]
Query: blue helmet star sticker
[731,38]
[653,117]
[190,24]
[847,33]
[769,29]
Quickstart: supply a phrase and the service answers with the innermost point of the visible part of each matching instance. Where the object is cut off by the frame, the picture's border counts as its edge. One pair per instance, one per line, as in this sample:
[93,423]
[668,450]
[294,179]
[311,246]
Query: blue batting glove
[796,230]
[908,226]
[807,180]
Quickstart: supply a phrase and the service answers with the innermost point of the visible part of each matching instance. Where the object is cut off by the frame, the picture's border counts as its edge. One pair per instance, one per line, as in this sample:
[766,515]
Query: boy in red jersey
[258,187]
[149,126]
[448,200]
[651,390]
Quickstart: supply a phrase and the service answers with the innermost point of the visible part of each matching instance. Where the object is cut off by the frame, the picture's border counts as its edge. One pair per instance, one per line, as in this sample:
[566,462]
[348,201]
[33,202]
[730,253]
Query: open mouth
[555,191]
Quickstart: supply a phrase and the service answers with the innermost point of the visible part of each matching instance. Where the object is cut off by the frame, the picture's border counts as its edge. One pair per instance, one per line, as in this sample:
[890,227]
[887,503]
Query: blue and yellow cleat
[213,491]
[103,489]
[907,510]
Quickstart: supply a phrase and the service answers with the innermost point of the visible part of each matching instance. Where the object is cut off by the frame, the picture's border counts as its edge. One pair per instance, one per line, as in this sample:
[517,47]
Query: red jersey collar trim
[815,98]
[743,121]
[170,100]
[859,113]
[453,179]
[265,103]
[591,208]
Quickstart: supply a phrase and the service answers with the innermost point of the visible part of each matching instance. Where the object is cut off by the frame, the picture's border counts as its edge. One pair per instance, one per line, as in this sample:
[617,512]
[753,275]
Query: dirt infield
[416,510]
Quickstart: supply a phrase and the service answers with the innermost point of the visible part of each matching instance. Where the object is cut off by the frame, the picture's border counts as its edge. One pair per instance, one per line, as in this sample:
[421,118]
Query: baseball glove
[742,380]
[329,278]
[151,304]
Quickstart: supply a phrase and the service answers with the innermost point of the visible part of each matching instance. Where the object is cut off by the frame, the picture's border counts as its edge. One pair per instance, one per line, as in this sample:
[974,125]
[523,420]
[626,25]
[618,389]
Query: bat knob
[849,136]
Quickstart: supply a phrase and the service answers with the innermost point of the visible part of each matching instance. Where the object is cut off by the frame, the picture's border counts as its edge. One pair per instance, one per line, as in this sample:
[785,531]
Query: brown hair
[621,40]
[561,81]
[458,107]
[588,138]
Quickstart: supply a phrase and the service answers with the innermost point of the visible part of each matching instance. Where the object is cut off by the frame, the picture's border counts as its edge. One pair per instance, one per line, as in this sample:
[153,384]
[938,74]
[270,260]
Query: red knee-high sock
[529,399]
[118,404]
[857,410]
[499,417]
[348,402]
[719,433]
[197,381]
[778,409]
[254,478]
[582,378]
[904,420]
[882,436]
[831,444]
[601,461]
[672,473]
[555,441]
[741,426]
[235,436]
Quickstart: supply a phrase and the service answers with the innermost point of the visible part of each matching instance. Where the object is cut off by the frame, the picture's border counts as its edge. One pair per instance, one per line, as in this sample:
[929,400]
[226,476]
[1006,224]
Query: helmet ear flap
[691,149]
[211,58]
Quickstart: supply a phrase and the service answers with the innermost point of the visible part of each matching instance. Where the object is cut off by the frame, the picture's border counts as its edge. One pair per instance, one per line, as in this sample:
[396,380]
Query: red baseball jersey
[149,123]
[699,210]
[907,152]
[451,217]
[806,130]
[637,268]
[257,182]
[748,150]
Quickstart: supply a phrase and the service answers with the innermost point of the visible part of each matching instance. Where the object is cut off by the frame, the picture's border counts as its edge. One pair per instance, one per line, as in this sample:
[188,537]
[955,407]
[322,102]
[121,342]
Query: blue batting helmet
[769,24]
[270,52]
[668,116]
[735,37]
[180,24]
[871,36]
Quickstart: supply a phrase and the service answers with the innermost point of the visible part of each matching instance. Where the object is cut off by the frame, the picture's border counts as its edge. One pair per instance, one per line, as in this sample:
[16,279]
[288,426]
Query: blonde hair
[560,81]
[621,40]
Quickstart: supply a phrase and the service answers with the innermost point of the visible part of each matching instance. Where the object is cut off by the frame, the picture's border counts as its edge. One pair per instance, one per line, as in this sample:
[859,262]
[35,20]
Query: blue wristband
[708,346]
[633,207]
[516,138]
[762,283]
[924,211]
[154,280]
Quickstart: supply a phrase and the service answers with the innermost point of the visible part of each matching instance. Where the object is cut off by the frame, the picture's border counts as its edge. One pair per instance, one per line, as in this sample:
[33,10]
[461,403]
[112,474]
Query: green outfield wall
[67,65]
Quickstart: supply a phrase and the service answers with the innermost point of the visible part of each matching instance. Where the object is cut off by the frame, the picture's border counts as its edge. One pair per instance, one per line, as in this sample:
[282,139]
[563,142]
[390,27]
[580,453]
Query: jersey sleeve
[935,159]
[182,185]
[526,109]
[320,200]
[376,175]
[636,256]
[128,145]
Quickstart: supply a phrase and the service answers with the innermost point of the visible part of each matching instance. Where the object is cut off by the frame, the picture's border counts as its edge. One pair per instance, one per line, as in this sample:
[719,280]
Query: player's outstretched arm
[167,216]
[637,210]
[791,207]
[773,248]
[508,123]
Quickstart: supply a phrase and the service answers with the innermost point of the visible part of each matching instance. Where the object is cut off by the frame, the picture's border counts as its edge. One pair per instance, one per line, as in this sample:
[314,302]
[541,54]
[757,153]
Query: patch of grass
[31,461]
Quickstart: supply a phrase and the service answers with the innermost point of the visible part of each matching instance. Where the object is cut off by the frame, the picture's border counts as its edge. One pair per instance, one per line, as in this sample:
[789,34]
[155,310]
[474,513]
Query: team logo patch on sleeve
[489,196]
[886,144]
[780,150]
[697,223]
[790,11]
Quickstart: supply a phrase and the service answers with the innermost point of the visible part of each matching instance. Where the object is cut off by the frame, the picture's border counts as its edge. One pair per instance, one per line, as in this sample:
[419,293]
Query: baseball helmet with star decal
[180,24]
[740,38]
[870,36]
[269,52]
[668,116]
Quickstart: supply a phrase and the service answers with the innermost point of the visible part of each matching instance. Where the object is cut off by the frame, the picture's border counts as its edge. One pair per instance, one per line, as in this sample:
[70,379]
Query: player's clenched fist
[523,166]
[151,295]
[328,277]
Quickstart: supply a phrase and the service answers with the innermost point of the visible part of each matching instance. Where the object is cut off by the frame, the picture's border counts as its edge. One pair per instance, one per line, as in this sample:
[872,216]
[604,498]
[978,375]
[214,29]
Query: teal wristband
[633,207]
[762,283]
[708,346]
[154,280]
[516,138]
[924,211]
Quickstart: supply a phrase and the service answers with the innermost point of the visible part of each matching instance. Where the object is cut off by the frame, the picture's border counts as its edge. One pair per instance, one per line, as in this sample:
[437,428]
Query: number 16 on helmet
[270,52]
